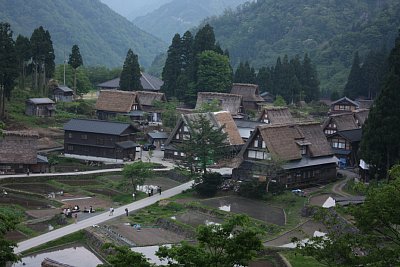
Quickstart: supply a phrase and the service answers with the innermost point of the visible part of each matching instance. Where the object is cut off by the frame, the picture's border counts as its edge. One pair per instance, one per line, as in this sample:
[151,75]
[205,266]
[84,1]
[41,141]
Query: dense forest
[330,31]
[103,35]
[178,16]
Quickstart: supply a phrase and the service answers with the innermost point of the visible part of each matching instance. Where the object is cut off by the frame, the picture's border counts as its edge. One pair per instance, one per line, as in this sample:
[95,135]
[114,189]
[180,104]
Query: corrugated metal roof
[148,82]
[64,88]
[96,126]
[44,100]
[159,135]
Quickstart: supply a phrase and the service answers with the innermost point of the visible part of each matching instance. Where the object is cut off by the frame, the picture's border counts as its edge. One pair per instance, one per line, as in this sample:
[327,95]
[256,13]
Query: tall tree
[75,61]
[23,50]
[9,218]
[244,74]
[206,143]
[214,73]
[234,243]
[137,172]
[42,57]
[204,39]
[264,79]
[124,256]
[309,80]
[173,67]
[130,75]
[353,87]
[373,72]
[8,65]
[380,144]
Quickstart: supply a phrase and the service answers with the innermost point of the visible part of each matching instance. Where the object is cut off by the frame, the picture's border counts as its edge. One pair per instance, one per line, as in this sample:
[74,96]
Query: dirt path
[338,187]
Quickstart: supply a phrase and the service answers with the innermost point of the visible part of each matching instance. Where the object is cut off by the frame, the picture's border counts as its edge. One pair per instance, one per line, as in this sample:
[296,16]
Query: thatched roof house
[18,152]
[250,93]
[275,115]
[227,102]
[113,102]
[339,122]
[303,149]
[182,131]
[147,99]
[360,116]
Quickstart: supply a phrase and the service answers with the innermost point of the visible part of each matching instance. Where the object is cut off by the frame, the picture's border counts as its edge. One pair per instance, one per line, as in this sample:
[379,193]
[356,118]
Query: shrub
[209,185]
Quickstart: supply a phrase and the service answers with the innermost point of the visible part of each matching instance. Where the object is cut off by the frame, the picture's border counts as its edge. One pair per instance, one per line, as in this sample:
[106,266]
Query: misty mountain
[102,35]
[178,16]
[134,8]
[331,31]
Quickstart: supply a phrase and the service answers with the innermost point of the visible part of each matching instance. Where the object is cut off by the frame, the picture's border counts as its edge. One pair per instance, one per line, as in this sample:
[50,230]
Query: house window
[134,107]
[69,135]
[185,129]
[338,143]
[84,137]
[70,148]
[253,154]
[330,131]
[176,153]
[99,141]
[183,154]
[177,136]
[303,150]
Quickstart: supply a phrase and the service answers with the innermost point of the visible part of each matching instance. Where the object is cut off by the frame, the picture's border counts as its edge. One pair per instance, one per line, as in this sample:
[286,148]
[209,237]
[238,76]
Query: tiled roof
[149,83]
[345,99]
[351,135]
[116,101]
[96,126]
[158,135]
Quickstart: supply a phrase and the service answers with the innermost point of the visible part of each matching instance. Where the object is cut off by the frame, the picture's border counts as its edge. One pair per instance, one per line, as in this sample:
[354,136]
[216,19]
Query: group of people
[150,191]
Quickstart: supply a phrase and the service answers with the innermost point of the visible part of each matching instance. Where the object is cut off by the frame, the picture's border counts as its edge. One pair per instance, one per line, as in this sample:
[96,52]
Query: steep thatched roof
[276,115]
[218,119]
[227,102]
[116,101]
[343,122]
[285,140]
[18,147]
[147,98]
[361,116]
[249,92]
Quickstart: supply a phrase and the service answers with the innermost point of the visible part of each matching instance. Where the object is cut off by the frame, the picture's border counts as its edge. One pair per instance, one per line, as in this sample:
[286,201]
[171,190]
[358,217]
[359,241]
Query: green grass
[298,260]
[149,215]
[77,237]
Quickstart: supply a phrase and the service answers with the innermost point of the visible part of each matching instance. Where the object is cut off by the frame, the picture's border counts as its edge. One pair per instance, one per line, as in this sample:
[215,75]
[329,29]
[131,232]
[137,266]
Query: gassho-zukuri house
[303,151]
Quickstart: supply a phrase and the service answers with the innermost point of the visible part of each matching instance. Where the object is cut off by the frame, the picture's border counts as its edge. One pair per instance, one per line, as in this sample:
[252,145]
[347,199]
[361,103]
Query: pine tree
[373,71]
[130,75]
[172,67]
[8,65]
[310,81]
[380,145]
[353,87]
[244,74]
[204,39]
[75,61]
[264,79]
[23,50]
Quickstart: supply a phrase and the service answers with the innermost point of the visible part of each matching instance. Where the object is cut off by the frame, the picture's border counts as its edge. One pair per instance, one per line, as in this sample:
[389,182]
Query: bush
[210,182]
[252,189]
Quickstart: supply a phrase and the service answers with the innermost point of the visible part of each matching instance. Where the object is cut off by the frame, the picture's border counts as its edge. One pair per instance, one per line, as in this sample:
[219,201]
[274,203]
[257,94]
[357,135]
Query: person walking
[76,217]
[111,211]
[126,212]
[159,190]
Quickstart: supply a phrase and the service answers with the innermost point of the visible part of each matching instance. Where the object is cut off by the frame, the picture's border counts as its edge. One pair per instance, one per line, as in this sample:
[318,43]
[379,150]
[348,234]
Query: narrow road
[338,187]
[39,240]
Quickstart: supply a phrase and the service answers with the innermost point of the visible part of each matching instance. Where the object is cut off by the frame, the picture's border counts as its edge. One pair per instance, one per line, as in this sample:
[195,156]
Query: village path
[95,220]
[338,187]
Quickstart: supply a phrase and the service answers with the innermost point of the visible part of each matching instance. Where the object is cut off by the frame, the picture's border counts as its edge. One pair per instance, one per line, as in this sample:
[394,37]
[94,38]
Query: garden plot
[24,201]
[90,182]
[256,209]
[164,182]
[195,218]
[38,188]
[105,191]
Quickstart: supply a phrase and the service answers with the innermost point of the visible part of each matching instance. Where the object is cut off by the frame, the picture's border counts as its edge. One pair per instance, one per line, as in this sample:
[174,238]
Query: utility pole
[65,61]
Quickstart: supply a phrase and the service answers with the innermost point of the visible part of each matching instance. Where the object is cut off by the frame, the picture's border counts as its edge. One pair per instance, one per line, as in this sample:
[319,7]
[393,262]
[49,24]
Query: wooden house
[18,153]
[247,127]
[149,83]
[343,105]
[360,116]
[227,102]
[63,94]
[339,122]
[97,140]
[157,138]
[40,107]
[305,155]
[345,145]
[147,102]
[275,115]
[218,119]
[113,102]
[250,94]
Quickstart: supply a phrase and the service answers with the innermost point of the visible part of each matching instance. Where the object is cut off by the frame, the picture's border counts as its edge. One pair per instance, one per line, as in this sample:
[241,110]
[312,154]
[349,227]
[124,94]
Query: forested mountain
[178,16]
[102,35]
[330,31]
[134,8]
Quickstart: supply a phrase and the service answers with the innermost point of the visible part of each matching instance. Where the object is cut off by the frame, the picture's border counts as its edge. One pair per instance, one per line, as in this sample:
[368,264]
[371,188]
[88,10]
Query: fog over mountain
[134,8]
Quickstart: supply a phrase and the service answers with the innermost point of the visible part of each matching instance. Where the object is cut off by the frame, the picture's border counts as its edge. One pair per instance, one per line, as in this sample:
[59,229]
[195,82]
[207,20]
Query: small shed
[63,94]
[40,107]
[157,138]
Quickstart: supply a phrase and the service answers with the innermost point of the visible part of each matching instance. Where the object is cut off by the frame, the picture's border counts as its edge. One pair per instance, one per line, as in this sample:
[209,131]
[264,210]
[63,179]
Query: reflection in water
[75,256]
[150,253]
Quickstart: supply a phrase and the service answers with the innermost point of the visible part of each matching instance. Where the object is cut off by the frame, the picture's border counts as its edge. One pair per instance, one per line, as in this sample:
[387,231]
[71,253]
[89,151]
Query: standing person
[159,190]
[111,211]
[76,217]
[27,171]
[134,196]
[126,212]
[151,191]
